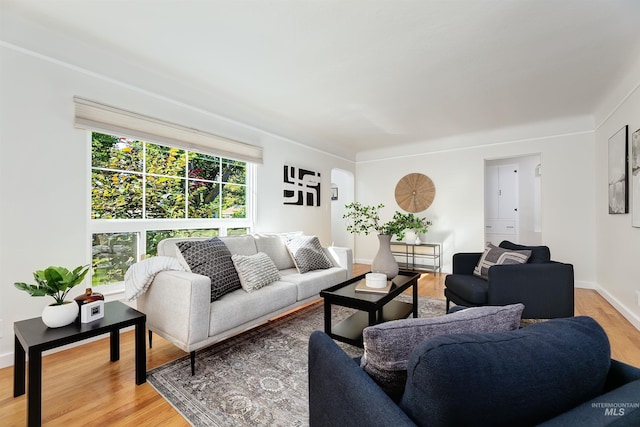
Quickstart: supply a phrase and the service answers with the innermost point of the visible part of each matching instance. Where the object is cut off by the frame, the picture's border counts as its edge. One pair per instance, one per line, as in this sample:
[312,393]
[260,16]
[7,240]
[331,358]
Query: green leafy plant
[54,282]
[366,219]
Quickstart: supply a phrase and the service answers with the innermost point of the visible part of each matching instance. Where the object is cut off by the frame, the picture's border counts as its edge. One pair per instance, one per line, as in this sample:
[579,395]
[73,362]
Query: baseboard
[633,318]
[6,360]
[584,285]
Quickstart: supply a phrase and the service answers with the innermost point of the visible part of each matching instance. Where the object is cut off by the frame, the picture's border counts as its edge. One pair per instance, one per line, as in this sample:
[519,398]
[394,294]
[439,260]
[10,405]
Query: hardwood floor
[82,387]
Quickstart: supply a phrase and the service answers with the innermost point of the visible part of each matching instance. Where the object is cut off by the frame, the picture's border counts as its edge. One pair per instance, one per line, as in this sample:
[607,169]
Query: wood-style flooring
[81,387]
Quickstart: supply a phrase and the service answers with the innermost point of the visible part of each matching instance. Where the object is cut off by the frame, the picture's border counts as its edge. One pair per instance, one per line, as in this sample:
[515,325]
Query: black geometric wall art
[301,186]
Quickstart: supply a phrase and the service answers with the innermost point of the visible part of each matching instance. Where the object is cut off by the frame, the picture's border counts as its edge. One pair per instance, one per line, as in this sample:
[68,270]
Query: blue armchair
[545,287]
[555,373]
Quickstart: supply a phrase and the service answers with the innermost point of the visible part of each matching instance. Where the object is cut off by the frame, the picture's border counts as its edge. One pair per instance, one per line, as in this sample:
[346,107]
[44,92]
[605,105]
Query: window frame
[142,225]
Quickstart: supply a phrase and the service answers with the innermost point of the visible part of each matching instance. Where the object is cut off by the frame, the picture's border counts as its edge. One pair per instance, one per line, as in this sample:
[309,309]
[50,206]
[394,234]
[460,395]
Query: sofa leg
[193,362]
[150,339]
[448,305]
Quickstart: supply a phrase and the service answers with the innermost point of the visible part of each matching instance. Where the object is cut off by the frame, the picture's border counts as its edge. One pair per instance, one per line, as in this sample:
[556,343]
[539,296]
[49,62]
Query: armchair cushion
[494,255]
[387,346]
[211,258]
[539,254]
[519,377]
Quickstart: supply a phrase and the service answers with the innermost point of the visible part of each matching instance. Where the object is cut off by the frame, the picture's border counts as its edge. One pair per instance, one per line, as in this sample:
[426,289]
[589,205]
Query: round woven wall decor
[415,192]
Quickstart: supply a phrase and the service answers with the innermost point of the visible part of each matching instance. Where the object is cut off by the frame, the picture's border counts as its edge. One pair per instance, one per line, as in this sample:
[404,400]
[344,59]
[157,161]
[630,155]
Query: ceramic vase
[384,262]
[409,237]
[56,316]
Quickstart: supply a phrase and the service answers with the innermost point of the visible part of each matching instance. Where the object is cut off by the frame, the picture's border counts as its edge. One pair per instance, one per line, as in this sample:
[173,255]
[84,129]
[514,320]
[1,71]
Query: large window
[142,193]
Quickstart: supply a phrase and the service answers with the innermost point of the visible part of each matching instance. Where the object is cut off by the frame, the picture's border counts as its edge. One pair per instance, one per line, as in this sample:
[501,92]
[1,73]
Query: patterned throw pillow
[255,271]
[211,258]
[307,253]
[388,346]
[494,255]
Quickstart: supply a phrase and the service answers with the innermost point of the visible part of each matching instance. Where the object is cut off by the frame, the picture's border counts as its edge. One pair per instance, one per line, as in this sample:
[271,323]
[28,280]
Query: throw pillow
[539,254]
[211,258]
[307,253]
[255,271]
[494,255]
[387,346]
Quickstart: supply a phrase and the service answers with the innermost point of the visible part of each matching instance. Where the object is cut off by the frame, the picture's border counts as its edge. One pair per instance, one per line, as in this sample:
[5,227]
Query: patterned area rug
[258,378]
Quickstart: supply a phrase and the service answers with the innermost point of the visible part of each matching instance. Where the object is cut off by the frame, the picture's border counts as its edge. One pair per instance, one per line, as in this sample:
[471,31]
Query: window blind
[104,118]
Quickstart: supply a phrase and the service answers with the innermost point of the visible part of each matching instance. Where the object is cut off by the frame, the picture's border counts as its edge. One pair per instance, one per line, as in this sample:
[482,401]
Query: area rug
[258,378]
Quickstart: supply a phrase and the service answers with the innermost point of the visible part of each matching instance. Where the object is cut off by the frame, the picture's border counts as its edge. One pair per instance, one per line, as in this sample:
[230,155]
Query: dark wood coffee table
[373,308]
[33,337]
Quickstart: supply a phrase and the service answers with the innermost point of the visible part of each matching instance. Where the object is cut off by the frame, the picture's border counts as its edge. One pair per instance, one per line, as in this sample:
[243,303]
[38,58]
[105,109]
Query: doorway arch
[343,193]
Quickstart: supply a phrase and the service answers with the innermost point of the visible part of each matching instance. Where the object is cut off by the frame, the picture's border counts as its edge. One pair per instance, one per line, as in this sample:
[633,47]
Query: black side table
[33,337]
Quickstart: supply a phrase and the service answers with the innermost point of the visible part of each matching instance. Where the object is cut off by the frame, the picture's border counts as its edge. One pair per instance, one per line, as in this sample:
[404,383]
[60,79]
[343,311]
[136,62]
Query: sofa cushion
[241,245]
[387,346]
[255,271]
[311,283]
[539,254]
[274,246]
[521,377]
[238,309]
[494,255]
[308,254]
[211,258]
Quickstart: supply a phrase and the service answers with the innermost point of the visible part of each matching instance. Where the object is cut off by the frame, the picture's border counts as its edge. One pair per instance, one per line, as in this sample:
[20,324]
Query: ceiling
[354,75]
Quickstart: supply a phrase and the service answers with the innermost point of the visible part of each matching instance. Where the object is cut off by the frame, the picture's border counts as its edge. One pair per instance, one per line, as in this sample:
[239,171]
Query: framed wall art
[301,186]
[618,178]
[635,177]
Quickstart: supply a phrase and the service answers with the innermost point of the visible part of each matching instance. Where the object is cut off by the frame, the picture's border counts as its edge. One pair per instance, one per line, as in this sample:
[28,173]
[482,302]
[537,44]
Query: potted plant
[56,282]
[365,219]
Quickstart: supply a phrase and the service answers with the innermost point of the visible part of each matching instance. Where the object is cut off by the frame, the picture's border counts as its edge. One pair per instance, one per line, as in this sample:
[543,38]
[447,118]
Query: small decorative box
[376,280]
[91,311]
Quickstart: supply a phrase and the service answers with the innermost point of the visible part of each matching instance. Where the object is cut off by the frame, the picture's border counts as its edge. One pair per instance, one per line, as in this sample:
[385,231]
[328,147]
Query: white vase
[56,316]
[409,237]
[384,262]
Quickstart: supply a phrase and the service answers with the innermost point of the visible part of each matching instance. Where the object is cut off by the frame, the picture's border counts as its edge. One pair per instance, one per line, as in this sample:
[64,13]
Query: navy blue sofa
[545,287]
[556,373]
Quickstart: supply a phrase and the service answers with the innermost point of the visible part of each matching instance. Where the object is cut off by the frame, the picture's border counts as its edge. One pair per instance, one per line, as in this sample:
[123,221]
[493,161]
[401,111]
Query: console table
[413,255]
[33,337]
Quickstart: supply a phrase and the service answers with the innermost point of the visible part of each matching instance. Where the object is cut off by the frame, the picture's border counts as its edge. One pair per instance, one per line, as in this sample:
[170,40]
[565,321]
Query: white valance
[103,118]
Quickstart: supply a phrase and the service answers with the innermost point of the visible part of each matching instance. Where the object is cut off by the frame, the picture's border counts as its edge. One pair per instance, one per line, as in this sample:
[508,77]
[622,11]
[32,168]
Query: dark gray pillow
[494,255]
[211,258]
[307,253]
[387,346]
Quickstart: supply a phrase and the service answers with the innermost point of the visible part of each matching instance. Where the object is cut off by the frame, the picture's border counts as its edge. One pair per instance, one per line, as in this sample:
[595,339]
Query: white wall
[44,177]
[457,212]
[618,243]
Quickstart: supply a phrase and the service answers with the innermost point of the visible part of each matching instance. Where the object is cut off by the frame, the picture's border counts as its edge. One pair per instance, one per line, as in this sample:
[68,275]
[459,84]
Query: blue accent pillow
[515,378]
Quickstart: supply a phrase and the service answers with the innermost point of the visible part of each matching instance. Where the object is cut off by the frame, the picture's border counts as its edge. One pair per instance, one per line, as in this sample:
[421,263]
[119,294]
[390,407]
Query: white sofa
[178,306]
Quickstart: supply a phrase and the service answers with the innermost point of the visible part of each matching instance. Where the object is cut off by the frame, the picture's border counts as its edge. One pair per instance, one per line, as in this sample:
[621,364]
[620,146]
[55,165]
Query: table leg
[34,396]
[115,344]
[18,368]
[141,354]
[373,317]
[327,317]
[415,299]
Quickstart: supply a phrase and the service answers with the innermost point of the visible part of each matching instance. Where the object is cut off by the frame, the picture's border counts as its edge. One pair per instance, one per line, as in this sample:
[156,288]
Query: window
[143,192]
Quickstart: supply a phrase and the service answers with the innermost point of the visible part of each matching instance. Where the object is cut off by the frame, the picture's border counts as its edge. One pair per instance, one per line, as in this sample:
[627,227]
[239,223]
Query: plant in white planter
[56,282]
[366,219]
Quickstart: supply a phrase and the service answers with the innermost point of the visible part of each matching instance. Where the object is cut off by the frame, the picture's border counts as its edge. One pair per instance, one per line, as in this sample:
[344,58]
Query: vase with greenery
[364,219]
[56,282]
